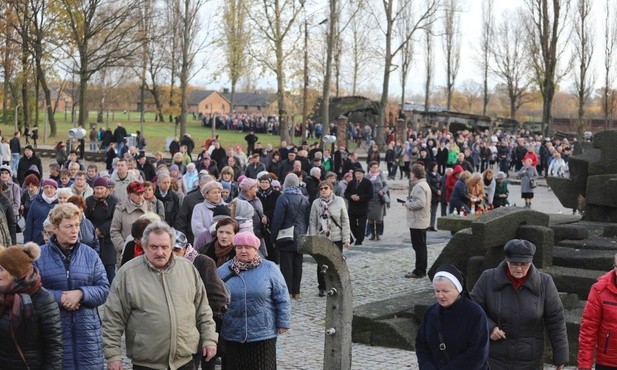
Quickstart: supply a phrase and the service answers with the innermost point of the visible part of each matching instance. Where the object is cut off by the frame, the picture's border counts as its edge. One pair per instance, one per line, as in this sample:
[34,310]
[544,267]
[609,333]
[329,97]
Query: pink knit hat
[246,238]
[247,183]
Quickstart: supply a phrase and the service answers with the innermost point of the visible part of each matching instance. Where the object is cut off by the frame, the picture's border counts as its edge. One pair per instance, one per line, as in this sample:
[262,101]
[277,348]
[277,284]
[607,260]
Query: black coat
[434,182]
[185,213]
[100,214]
[148,170]
[39,338]
[119,134]
[218,299]
[171,202]
[24,165]
[365,190]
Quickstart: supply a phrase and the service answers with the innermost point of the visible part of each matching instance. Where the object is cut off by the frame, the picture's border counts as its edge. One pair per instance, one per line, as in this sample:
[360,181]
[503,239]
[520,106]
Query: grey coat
[524,316]
[338,212]
[526,174]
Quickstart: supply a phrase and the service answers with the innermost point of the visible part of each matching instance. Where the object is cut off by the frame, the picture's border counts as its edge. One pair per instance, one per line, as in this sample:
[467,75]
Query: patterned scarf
[265,193]
[14,295]
[222,253]
[190,253]
[238,265]
[292,190]
[324,215]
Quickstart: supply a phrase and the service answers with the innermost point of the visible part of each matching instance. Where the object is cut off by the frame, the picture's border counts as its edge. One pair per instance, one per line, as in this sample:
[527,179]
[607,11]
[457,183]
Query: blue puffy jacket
[81,329]
[39,209]
[259,303]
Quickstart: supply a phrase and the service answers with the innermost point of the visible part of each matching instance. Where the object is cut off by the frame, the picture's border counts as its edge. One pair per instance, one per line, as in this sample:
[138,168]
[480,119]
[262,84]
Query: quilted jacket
[81,329]
[259,303]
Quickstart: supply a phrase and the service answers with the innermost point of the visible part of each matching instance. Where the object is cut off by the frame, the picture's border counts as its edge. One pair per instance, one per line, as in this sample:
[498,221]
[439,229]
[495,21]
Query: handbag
[532,183]
[285,235]
[385,198]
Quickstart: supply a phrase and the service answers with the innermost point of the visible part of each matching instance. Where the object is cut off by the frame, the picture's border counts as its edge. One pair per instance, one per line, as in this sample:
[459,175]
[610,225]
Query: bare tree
[331,41]
[508,54]
[405,22]
[101,31]
[428,65]
[451,41]
[545,26]
[359,47]
[583,51]
[471,92]
[272,21]
[9,49]
[236,37]
[387,26]
[486,42]
[609,97]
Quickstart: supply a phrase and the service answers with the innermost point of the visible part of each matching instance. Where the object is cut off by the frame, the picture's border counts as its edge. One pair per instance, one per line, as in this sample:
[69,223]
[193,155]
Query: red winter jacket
[599,324]
[451,181]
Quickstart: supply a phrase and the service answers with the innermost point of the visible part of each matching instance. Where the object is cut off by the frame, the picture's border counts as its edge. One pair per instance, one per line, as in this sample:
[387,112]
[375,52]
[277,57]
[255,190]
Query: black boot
[376,230]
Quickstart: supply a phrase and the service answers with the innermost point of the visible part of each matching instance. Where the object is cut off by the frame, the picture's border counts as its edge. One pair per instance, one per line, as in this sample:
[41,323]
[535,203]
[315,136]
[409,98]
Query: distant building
[251,103]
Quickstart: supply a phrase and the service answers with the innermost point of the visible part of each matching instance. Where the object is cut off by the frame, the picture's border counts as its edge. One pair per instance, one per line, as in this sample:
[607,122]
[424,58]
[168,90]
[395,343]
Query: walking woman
[528,176]
[259,310]
[329,219]
[291,216]
[377,205]
[30,326]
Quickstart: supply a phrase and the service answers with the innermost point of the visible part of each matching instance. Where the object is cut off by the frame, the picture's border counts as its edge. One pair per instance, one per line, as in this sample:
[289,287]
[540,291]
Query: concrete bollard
[339,301]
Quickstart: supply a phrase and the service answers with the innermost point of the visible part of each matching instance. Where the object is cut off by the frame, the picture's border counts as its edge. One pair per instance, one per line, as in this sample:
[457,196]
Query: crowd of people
[198,258]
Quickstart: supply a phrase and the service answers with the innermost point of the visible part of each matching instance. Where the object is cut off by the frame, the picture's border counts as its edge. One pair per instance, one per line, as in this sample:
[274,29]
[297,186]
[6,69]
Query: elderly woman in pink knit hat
[260,308]
[248,192]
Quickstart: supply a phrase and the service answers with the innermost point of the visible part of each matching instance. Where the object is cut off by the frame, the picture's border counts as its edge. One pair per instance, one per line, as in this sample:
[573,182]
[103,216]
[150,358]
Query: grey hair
[62,191]
[162,177]
[157,227]
[315,171]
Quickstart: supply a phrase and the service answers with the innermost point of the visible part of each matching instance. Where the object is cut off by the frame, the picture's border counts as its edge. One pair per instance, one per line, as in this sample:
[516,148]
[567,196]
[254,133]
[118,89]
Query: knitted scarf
[13,296]
[324,216]
[265,193]
[516,283]
[190,253]
[138,250]
[49,200]
[292,190]
[238,265]
[222,252]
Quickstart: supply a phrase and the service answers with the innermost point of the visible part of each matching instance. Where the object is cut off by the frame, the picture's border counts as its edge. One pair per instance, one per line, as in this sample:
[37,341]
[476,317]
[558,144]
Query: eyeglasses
[324,188]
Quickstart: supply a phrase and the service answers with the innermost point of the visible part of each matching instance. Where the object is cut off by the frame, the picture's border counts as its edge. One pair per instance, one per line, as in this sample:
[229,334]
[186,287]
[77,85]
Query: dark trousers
[291,268]
[220,349]
[358,226]
[434,206]
[418,242]
[602,367]
[392,167]
[444,209]
[321,281]
[188,366]
[111,272]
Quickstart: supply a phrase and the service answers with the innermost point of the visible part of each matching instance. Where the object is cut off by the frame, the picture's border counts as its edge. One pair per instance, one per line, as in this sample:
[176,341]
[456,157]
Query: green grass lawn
[155,132]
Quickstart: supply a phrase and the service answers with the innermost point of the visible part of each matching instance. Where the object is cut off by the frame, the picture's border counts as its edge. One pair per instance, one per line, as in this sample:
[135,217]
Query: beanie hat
[99,181]
[246,238]
[50,182]
[17,260]
[453,274]
[247,183]
[135,187]
[240,178]
[262,174]
[211,185]
[5,167]
[276,184]
[291,180]
[174,167]
[181,241]
[226,185]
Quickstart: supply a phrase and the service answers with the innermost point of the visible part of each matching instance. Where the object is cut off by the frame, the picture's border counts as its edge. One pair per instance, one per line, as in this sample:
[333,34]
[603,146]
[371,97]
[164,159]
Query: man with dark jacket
[190,144]
[351,164]
[146,167]
[312,183]
[119,135]
[15,146]
[287,164]
[193,198]
[100,207]
[250,139]
[254,167]
[29,159]
[358,194]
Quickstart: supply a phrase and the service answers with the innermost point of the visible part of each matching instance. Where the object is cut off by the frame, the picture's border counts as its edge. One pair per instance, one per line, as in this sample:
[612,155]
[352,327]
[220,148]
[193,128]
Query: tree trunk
[325,104]
[280,95]
[24,87]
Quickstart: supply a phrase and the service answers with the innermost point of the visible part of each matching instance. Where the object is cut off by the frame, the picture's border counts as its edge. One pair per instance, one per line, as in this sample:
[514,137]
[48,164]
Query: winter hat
[99,181]
[5,167]
[181,241]
[135,187]
[218,213]
[50,182]
[451,273]
[174,167]
[17,260]
[211,185]
[276,184]
[226,185]
[261,174]
[246,238]
[291,180]
[519,250]
[240,178]
[500,175]
[247,184]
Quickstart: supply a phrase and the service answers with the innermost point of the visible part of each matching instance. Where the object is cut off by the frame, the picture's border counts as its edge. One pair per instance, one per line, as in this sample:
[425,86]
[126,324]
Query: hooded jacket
[598,331]
[25,164]
[451,181]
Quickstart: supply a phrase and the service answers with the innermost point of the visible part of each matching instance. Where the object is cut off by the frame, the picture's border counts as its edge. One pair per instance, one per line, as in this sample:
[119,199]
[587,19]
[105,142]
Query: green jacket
[165,315]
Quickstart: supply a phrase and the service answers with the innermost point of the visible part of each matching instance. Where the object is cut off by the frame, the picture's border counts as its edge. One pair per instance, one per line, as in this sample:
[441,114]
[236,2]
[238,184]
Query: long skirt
[259,355]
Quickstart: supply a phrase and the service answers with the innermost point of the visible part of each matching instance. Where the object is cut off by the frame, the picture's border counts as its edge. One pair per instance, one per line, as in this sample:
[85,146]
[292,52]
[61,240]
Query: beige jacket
[121,224]
[164,315]
[419,207]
